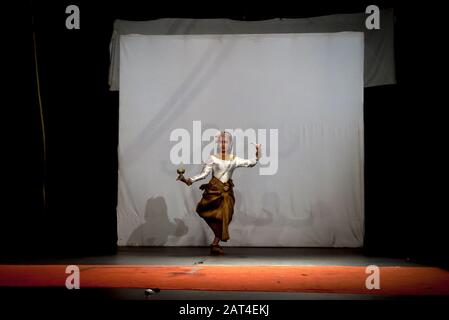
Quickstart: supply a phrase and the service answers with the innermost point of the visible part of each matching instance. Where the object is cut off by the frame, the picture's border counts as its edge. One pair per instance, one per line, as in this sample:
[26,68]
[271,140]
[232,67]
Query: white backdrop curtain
[379,65]
[308,87]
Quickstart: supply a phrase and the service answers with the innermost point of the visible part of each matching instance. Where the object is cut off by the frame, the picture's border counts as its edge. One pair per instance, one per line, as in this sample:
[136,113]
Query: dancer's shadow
[157,227]
[247,220]
[270,213]
[244,215]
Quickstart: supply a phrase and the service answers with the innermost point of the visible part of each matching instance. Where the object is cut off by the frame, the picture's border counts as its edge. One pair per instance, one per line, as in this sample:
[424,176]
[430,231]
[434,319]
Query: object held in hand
[180,172]
[181,177]
[257,149]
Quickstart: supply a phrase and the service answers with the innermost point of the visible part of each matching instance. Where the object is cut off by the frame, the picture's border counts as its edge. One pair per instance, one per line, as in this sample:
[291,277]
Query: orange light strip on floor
[311,279]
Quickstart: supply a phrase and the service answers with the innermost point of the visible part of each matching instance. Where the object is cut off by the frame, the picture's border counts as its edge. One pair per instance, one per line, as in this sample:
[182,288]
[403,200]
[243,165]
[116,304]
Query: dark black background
[402,124]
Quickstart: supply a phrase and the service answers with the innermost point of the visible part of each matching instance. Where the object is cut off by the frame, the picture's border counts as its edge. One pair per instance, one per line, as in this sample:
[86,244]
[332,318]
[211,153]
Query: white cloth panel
[308,87]
[379,62]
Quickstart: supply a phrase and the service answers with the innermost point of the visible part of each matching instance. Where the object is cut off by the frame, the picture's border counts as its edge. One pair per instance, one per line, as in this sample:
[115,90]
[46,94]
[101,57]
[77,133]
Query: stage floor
[234,256]
[327,274]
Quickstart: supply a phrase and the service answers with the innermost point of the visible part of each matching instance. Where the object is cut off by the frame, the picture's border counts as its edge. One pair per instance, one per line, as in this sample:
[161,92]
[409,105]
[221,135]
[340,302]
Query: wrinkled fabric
[223,169]
[307,189]
[216,206]
[379,43]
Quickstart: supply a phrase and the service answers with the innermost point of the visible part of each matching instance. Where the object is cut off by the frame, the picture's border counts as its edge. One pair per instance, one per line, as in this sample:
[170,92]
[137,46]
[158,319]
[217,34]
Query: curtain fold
[379,65]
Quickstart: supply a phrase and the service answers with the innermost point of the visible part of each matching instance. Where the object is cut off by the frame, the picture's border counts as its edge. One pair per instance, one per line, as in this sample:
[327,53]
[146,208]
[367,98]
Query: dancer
[216,206]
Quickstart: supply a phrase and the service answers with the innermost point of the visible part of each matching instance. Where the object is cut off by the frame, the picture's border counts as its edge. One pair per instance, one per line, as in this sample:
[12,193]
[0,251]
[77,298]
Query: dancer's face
[223,142]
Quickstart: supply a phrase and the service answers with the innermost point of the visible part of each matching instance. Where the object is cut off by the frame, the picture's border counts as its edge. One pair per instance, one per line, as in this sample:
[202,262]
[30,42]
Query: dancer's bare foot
[216,250]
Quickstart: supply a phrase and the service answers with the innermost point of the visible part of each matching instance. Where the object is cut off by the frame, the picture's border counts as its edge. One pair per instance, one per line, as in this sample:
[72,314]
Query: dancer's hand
[187,181]
[258,147]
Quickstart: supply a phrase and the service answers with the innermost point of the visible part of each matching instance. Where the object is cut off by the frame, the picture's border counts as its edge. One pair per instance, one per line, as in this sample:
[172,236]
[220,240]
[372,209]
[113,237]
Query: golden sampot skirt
[216,206]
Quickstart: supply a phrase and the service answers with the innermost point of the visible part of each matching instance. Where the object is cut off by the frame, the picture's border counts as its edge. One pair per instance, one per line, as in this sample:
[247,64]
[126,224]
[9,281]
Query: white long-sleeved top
[223,169]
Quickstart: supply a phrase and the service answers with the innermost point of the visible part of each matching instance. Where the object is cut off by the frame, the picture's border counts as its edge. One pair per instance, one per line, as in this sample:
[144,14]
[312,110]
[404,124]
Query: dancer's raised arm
[240,162]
